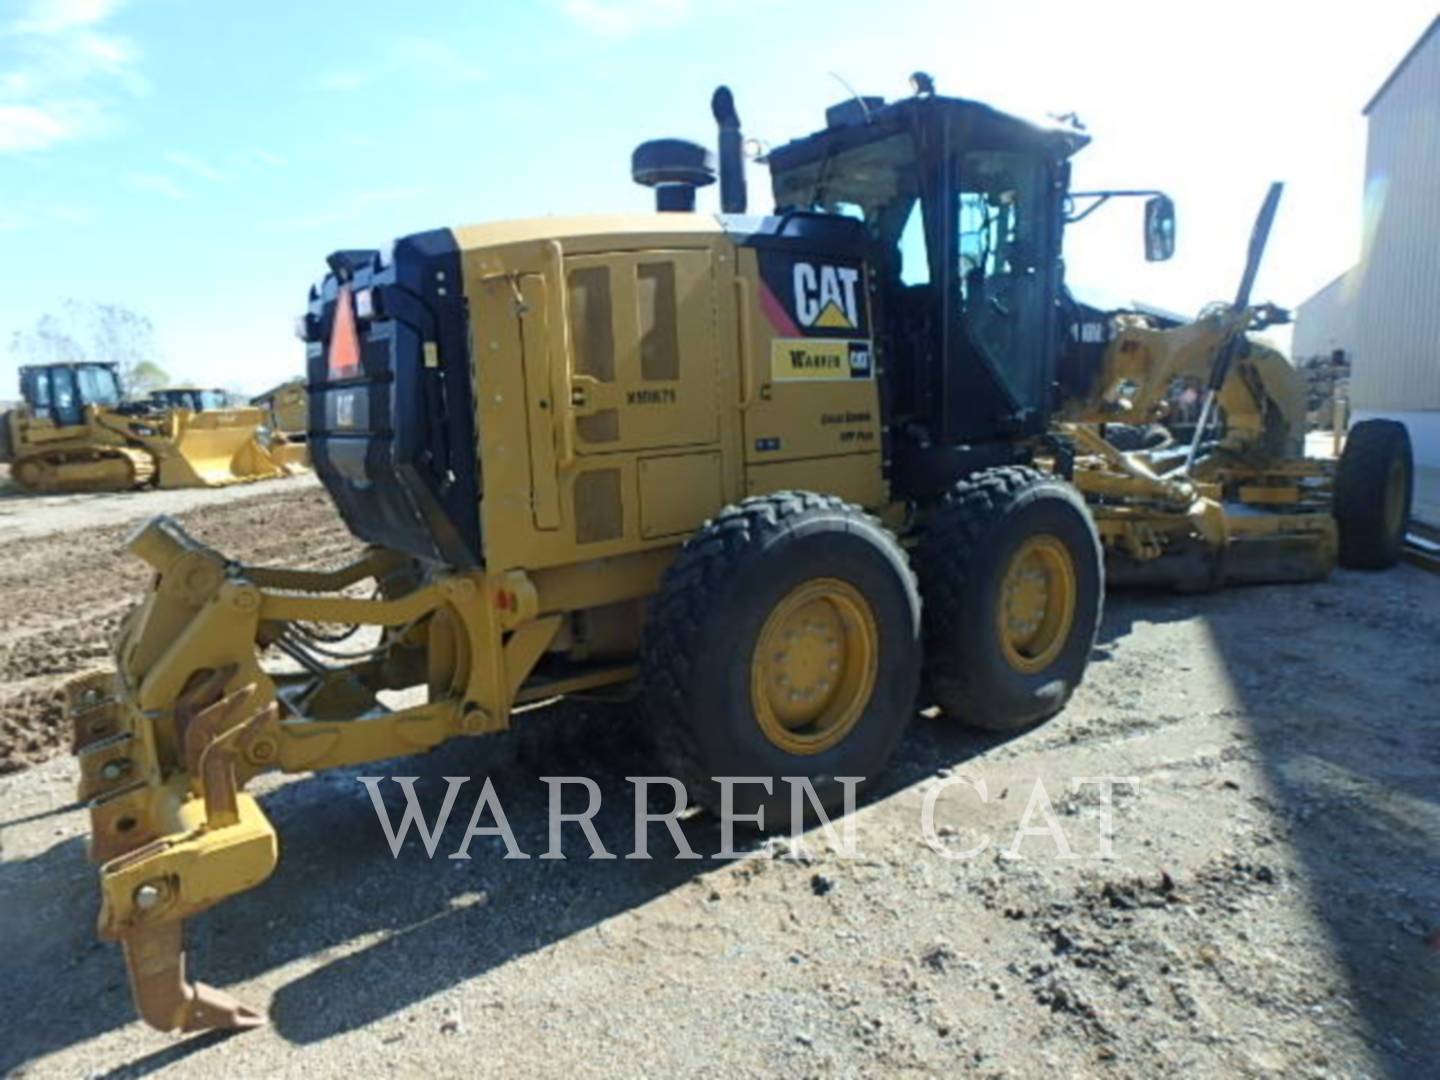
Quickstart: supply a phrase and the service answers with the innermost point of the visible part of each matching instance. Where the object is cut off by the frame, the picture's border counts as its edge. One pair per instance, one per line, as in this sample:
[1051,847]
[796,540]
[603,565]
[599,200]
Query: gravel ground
[65,592]
[23,515]
[1272,906]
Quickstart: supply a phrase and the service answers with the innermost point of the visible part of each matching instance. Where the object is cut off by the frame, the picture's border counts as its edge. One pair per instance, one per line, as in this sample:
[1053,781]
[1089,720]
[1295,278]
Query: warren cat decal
[811,359]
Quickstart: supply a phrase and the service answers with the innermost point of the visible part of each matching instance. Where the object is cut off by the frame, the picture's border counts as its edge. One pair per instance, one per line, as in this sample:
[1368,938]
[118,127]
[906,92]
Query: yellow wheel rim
[1395,498]
[814,666]
[1037,604]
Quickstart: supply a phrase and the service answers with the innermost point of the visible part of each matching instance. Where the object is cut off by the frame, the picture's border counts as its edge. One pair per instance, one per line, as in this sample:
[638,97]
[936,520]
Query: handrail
[747,378]
[560,357]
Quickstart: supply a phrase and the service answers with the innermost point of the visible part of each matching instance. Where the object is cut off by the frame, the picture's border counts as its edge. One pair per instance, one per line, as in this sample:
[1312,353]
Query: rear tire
[1012,574]
[1374,486]
[784,642]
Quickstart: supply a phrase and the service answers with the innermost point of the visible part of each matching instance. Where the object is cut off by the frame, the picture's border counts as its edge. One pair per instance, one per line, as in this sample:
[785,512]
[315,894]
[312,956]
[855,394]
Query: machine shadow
[1125,608]
[1353,785]
[423,925]
[388,932]
[61,985]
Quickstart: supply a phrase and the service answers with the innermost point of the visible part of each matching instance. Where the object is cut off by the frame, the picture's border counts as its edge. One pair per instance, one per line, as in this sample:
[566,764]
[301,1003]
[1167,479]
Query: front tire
[784,642]
[1012,574]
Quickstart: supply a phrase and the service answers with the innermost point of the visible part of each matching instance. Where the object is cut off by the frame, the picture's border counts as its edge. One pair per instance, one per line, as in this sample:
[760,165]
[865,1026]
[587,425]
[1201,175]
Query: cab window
[1001,218]
[64,407]
[98,386]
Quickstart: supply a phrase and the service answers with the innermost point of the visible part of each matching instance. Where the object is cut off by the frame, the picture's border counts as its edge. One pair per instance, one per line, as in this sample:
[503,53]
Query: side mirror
[1159,228]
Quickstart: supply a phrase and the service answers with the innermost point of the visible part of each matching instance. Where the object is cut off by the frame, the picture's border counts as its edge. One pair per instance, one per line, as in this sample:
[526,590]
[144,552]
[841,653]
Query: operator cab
[964,208]
[185,397]
[61,392]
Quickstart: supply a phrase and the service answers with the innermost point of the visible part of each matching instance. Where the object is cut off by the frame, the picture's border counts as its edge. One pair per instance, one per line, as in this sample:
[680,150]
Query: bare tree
[97,332]
[47,342]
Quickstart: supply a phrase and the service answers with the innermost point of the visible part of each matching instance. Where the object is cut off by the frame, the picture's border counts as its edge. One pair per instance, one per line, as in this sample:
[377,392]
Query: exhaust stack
[732,159]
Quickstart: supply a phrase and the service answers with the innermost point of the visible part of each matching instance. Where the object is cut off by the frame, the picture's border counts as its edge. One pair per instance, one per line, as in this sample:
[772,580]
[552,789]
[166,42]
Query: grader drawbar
[710,461]
[1239,501]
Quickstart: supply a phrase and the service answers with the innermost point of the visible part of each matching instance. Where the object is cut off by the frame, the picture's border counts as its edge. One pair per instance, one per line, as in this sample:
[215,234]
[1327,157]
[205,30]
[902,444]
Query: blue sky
[197,160]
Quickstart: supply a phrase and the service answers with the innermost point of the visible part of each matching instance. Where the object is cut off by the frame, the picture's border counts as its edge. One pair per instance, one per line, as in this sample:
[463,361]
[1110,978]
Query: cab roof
[863,120]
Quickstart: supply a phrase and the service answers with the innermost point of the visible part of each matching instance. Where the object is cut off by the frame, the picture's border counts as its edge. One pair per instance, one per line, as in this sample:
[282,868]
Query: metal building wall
[1326,321]
[1397,317]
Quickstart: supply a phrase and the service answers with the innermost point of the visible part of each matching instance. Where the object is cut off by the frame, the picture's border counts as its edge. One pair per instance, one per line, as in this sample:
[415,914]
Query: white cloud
[157,184]
[268,157]
[344,81]
[57,16]
[73,215]
[30,127]
[433,59]
[31,216]
[624,18]
[199,166]
[437,60]
[63,73]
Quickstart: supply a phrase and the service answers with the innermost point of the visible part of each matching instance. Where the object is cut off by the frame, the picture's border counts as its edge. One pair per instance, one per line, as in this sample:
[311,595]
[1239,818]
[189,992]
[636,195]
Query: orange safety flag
[344,342]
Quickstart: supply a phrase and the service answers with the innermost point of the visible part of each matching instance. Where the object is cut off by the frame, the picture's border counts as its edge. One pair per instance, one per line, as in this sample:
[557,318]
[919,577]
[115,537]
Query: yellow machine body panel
[635,374]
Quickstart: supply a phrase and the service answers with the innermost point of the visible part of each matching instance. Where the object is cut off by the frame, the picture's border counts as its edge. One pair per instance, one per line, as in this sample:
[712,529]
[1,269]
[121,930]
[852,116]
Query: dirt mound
[65,595]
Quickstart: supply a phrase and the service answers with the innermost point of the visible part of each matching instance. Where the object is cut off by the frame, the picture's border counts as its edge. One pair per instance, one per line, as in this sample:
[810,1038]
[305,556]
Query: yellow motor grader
[74,432]
[1239,501]
[714,461]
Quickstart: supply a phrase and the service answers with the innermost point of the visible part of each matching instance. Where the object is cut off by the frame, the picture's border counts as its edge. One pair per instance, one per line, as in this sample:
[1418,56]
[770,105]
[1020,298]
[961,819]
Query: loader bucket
[212,449]
[293,457]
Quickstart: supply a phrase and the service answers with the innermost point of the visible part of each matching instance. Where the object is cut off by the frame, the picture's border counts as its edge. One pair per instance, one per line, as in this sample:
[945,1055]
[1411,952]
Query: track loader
[75,432]
[711,461]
